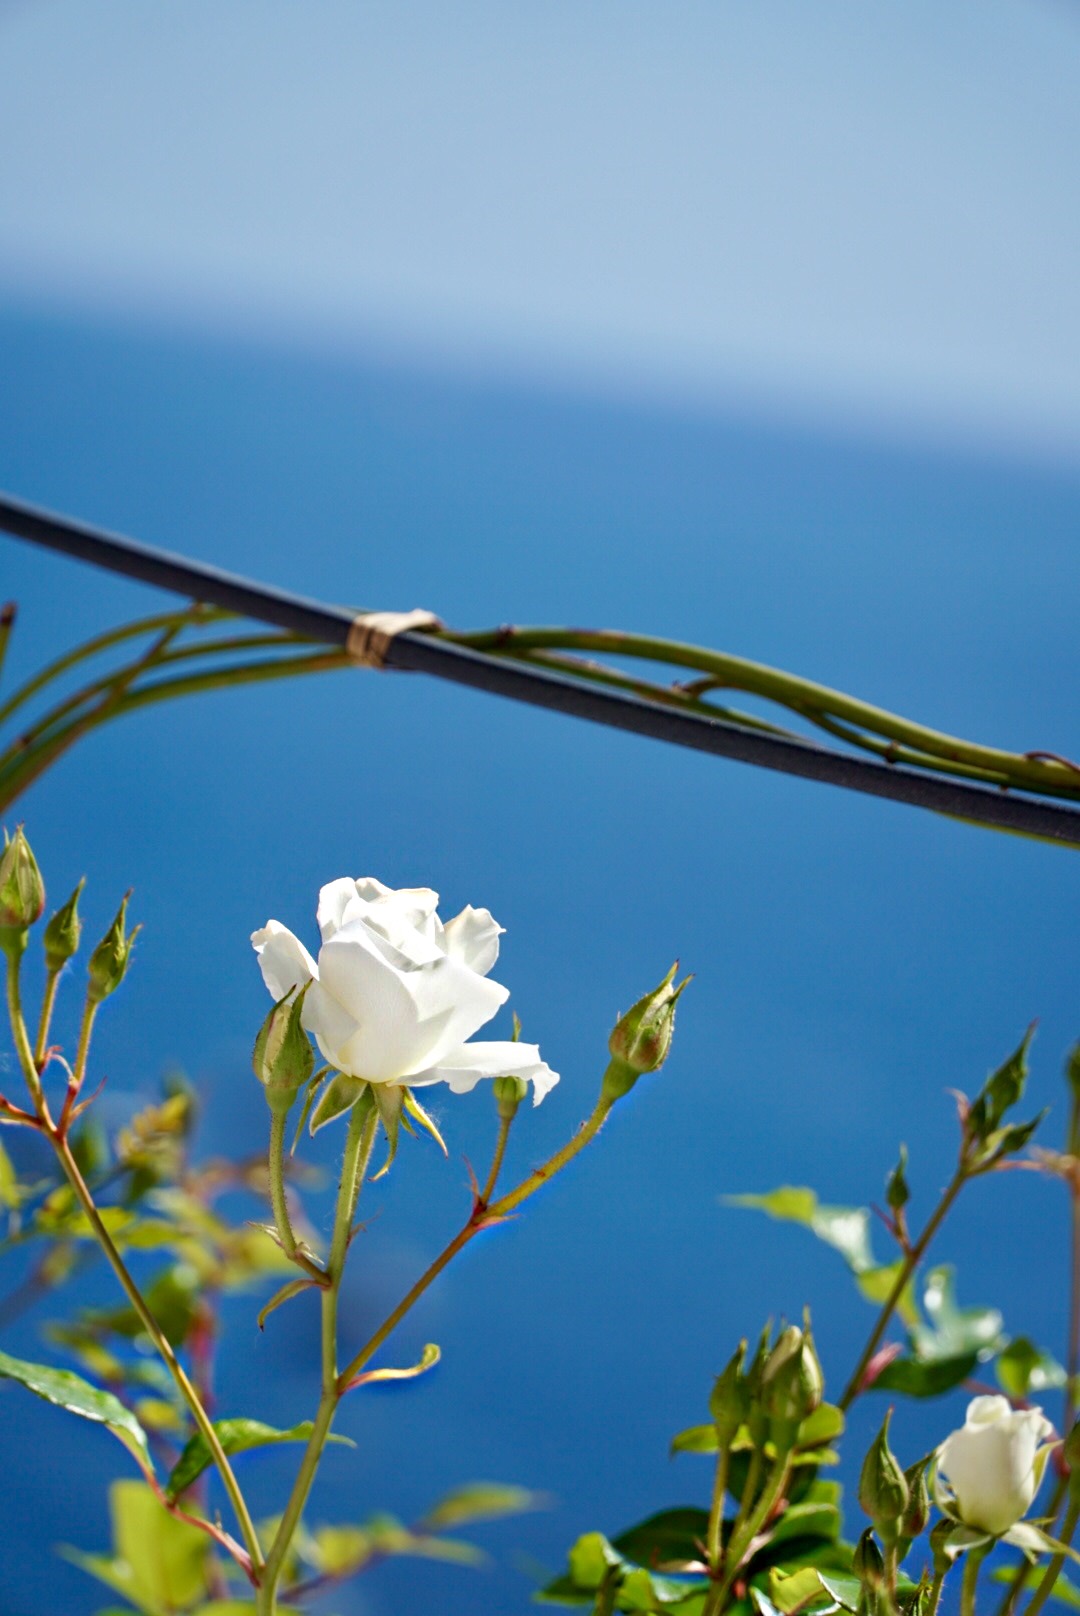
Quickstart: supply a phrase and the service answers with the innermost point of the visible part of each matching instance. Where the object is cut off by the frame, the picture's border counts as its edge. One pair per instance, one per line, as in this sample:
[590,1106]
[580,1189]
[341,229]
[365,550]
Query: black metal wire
[539,687]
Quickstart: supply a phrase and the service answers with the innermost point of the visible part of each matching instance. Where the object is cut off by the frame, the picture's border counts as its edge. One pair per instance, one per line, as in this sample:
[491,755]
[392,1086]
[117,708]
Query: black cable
[539,687]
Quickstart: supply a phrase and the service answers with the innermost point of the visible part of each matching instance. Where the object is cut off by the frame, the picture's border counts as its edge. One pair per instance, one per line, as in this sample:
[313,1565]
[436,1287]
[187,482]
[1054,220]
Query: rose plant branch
[22,900]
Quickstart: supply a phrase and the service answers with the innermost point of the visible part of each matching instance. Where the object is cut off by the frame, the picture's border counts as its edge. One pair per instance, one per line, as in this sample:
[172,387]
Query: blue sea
[853,960]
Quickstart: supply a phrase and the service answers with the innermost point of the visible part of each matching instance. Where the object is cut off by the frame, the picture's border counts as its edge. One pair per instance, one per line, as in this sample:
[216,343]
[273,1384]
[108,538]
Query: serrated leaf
[339,1095]
[481,1501]
[66,1390]
[235,1436]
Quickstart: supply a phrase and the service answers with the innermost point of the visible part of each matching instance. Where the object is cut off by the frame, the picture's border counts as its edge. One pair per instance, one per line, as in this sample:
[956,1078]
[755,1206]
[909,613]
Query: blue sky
[867,211]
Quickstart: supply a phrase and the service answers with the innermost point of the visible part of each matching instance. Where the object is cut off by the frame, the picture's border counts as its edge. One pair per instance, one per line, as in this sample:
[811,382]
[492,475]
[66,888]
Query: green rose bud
[917,1515]
[641,1039]
[63,932]
[868,1562]
[883,1488]
[22,891]
[792,1385]
[109,961]
[729,1404]
[283,1058]
[509,1093]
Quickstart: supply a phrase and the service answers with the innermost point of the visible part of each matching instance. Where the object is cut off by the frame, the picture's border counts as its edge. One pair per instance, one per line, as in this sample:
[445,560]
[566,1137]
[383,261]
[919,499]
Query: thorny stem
[359,1142]
[911,1261]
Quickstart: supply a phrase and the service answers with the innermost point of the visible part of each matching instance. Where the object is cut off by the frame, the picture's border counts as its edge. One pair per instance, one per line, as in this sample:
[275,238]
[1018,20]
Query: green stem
[19,770]
[48,1004]
[104,642]
[742,1537]
[911,1261]
[13,954]
[479,1218]
[359,1142]
[935,1593]
[505,1124]
[788,690]
[972,1566]
[1056,1566]
[276,1169]
[715,1537]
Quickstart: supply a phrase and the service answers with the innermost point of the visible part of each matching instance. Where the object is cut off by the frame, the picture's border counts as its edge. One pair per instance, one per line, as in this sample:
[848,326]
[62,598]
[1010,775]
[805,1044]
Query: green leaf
[158,1562]
[912,1378]
[340,1094]
[11,1194]
[823,1425]
[794,1592]
[66,1390]
[1063,1591]
[235,1436]
[481,1501]
[876,1284]
[695,1439]
[844,1589]
[845,1228]
[340,1551]
[953,1330]
[817,1516]
[1022,1367]
[664,1539]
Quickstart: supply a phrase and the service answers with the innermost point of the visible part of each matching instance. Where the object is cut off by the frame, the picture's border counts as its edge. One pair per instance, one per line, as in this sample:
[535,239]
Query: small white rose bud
[995,1462]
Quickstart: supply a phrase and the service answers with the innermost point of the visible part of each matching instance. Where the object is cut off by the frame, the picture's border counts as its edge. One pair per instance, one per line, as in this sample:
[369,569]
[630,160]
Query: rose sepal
[339,1095]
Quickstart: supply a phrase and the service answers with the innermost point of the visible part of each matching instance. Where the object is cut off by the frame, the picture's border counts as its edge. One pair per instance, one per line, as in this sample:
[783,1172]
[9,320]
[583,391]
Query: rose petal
[473,938]
[463,1068]
[284,961]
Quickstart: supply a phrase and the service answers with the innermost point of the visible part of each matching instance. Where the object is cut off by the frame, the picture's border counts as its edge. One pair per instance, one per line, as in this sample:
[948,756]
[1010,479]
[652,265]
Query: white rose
[994,1463]
[395,994]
